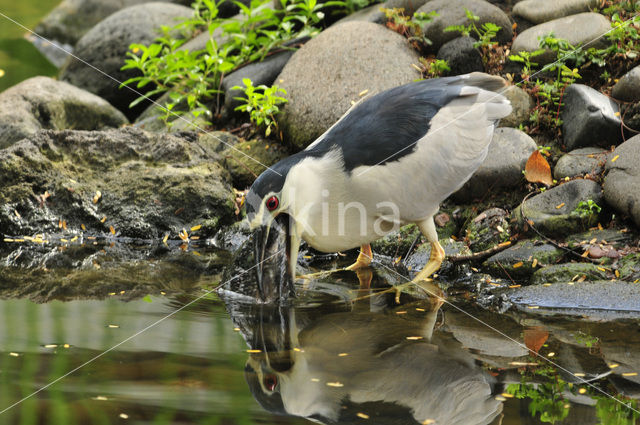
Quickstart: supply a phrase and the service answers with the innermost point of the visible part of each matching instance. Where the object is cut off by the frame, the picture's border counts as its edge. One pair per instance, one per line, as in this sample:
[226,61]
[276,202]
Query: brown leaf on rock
[538,170]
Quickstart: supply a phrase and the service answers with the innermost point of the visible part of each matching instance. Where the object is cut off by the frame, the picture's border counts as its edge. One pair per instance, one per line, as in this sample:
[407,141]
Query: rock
[579,162]
[247,160]
[264,72]
[398,243]
[420,256]
[553,211]
[589,118]
[375,15]
[488,229]
[105,47]
[521,104]
[629,268]
[616,237]
[623,179]
[581,296]
[577,29]
[149,184]
[44,103]
[71,19]
[453,13]
[627,88]
[502,169]
[461,56]
[331,70]
[567,272]
[631,114]
[539,11]
[517,260]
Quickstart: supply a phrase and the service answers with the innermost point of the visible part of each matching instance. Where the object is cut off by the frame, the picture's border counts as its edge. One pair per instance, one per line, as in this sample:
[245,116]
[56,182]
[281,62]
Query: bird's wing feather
[387,126]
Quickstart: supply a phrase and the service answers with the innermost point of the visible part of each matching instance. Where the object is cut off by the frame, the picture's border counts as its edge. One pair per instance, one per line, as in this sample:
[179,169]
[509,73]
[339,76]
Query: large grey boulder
[539,11]
[374,14]
[623,179]
[336,68]
[589,118]
[553,212]
[627,88]
[461,56]
[577,29]
[150,184]
[503,166]
[44,103]
[579,162]
[453,13]
[71,19]
[106,45]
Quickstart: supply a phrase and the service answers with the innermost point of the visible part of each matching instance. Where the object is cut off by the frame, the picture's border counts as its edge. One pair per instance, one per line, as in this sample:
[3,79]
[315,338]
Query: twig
[481,254]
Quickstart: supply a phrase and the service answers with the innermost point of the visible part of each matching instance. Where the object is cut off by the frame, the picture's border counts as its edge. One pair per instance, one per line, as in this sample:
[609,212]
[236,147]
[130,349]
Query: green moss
[567,272]
[243,169]
[629,267]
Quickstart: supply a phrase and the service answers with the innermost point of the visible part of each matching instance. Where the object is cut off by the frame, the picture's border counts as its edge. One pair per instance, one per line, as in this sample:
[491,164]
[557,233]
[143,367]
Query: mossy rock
[567,272]
[488,229]
[420,256]
[517,262]
[248,159]
[629,267]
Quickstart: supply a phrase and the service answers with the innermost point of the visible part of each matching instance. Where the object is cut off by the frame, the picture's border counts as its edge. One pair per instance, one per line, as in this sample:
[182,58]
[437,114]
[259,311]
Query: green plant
[525,57]
[485,33]
[409,27]
[193,78]
[587,208]
[585,339]
[262,103]
[434,67]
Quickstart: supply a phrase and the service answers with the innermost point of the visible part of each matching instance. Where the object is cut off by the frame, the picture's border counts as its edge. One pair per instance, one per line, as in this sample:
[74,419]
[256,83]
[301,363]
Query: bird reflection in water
[370,360]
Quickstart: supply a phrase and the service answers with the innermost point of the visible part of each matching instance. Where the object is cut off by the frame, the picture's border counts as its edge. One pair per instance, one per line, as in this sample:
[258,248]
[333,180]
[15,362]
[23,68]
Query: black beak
[272,248]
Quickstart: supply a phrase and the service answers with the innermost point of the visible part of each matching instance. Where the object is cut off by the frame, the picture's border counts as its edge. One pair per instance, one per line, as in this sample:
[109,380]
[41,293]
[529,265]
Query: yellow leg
[428,228]
[364,258]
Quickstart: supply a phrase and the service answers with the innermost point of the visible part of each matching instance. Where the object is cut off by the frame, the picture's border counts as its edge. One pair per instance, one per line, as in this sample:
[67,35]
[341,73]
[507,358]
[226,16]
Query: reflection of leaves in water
[545,399]
[611,412]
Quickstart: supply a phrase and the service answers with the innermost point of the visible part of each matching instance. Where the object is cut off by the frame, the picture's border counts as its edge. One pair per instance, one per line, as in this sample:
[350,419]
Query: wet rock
[248,159]
[232,238]
[521,104]
[106,269]
[553,212]
[397,244]
[615,237]
[461,56]
[577,29]
[627,88]
[568,272]
[264,72]
[420,256]
[453,13]
[579,162]
[517,262]
[71,19]
[589,118]
[149,185]
[331,70]
[105,47]
[580,296]
[375,15]
[488,229]
[503,166]
[623,179]
[539,11]
[44,103]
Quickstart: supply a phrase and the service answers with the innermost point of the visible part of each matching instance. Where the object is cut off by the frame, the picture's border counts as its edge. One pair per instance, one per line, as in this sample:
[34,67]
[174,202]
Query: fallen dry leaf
[535,337]
[538,170]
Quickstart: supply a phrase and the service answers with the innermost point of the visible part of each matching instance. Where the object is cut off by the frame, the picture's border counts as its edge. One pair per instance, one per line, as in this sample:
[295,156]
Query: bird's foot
[364,258]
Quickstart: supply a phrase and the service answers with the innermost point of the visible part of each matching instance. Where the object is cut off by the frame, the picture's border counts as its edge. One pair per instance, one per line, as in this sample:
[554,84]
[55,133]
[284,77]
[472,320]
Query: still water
[337,355]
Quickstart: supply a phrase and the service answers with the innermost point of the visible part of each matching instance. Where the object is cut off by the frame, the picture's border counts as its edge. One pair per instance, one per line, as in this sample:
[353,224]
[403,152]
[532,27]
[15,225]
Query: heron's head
[276,243]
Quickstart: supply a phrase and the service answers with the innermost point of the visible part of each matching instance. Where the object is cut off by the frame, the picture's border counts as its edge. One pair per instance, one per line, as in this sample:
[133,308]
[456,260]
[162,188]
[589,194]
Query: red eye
[270,382]
[272,203]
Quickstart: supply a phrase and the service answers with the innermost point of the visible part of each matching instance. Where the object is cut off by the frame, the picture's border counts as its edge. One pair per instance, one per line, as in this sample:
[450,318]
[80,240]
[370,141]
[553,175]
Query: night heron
[390,160]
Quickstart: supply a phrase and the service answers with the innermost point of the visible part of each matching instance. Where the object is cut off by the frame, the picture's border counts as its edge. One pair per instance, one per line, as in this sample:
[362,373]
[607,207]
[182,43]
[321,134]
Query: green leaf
[147,299]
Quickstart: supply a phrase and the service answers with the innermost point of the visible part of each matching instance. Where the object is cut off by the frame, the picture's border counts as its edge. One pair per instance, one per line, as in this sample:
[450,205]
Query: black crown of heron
[388,161]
